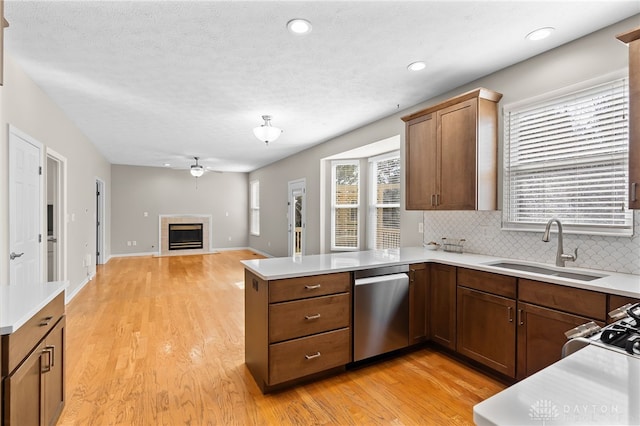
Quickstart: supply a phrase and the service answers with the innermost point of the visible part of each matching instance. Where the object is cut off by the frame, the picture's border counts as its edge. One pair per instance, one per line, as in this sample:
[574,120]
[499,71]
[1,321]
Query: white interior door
[25,208]
[297,217]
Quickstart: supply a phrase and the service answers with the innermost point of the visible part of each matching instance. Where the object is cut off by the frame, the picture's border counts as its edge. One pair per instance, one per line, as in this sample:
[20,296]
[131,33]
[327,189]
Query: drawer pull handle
[510,312]
[52,350]
[312,287]
[312,356]
[312,317]
[520,317]
[45,321]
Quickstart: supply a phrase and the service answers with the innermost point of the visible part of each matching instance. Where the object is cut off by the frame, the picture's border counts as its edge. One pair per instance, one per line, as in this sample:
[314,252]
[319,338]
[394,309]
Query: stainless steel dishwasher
[380,311]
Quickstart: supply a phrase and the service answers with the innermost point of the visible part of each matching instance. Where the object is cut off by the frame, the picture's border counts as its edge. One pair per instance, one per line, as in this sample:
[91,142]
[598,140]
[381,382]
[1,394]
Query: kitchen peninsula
[270,286]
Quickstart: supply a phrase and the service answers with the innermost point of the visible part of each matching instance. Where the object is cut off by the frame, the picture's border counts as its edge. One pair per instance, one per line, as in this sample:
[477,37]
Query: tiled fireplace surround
[166,219]
[483,235]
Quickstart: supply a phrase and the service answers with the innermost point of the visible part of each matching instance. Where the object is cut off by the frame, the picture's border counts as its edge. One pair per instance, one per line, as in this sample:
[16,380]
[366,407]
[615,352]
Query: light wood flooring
[160,341]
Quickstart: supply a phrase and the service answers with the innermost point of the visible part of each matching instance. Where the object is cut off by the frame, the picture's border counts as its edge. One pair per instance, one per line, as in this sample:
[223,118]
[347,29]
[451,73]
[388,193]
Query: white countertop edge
[18,305]
[291,267]
[592,386]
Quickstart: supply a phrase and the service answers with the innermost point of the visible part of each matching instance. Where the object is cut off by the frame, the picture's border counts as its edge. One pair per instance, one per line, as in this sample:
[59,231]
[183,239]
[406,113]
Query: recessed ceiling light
[299,26]
[540,33]
[167,164]
[416,66]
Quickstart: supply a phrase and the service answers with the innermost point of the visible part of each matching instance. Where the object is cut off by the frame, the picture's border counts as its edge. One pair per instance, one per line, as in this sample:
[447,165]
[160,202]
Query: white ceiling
[151,82]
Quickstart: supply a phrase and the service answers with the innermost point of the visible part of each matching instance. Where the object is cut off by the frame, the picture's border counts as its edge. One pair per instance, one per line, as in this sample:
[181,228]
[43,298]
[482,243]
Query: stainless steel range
[622,336]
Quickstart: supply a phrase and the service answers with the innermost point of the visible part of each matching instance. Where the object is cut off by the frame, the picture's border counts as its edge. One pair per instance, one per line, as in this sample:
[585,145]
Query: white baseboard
[259,252]
[149,253]
[68,296]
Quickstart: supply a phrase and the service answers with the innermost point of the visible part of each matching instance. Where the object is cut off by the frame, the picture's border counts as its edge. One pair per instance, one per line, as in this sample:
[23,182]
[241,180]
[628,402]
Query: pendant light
[196,169]
[266,132]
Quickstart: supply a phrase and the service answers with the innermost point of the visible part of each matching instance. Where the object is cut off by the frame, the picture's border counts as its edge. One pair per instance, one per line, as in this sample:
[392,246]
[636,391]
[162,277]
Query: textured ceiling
[155,81]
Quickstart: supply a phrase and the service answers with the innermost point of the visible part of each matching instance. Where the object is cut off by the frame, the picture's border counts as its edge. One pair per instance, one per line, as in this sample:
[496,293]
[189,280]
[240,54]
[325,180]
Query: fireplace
[185,236]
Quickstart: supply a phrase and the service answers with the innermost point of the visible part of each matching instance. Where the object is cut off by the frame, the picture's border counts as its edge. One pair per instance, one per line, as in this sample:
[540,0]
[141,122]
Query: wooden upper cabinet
[632,38]
[451,154]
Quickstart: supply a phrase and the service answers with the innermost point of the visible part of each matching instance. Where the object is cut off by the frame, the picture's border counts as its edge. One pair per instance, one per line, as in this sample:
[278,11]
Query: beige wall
[158,191]
[589,57]
[30,110]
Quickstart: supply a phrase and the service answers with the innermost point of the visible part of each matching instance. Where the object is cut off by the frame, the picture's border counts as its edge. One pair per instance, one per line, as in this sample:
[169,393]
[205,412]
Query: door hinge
[39,238]
[40,170]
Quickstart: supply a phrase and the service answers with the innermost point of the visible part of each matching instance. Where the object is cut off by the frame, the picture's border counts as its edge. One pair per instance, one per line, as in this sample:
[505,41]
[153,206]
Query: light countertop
[19,303]
[297,266]
[592,386]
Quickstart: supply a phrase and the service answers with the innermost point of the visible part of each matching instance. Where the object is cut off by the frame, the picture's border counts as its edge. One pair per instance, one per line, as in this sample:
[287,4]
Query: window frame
[373,205]
[588,229]
[335,207]
[254,208]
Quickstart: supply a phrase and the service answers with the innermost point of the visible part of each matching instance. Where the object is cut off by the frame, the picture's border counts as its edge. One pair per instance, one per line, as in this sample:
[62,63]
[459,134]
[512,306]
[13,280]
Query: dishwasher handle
[381,278]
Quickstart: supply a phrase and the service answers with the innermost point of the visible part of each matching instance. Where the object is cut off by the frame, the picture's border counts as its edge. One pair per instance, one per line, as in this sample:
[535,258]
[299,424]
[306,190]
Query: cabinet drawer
[577,301]
[502,285]
[288,320]
[17,345]
[308,355]
[304,287]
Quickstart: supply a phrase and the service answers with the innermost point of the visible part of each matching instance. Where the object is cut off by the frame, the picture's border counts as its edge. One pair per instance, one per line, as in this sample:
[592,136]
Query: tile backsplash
[481,230]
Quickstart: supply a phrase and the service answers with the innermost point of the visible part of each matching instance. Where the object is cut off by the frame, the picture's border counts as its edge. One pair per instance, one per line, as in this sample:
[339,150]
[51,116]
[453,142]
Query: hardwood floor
[160,341]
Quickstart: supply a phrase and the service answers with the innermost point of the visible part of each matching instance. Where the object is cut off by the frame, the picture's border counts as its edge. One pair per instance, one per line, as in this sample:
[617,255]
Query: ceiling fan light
[197,170]
[266,132]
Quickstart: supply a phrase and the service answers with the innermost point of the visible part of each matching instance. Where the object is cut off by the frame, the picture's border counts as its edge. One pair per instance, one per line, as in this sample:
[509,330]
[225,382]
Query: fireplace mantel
[163,229]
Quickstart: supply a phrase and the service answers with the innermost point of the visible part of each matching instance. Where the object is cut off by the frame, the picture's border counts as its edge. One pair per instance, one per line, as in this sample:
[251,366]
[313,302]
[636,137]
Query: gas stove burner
[633,345]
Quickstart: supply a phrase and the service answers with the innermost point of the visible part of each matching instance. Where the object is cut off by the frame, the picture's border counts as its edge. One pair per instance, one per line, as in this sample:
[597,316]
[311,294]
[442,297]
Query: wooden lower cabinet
[296,327]
[486,329]
[442,305]
[34,392]
[301,357]
[418,303]
[541,336]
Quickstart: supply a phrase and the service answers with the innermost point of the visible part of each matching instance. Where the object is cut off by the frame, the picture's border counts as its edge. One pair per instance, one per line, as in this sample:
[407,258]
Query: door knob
[14,255]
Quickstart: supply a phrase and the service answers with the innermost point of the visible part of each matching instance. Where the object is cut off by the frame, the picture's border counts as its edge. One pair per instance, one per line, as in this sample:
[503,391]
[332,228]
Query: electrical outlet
[134,243]
[229,238]
[128,243]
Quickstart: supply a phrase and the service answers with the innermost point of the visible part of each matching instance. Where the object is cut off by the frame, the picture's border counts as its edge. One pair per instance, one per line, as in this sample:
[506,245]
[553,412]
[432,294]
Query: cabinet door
[23,392]
[53,363]
[418,303]
[456,169]
[541,336]
[443,305]
[486,329]
[421,163]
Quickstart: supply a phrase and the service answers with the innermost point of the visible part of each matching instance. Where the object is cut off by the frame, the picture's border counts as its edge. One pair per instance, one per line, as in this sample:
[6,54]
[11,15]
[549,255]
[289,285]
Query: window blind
[385,205]
[567,157]
[346,198]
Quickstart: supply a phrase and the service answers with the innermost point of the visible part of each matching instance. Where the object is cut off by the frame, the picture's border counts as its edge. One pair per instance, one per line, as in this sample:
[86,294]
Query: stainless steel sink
[546,271]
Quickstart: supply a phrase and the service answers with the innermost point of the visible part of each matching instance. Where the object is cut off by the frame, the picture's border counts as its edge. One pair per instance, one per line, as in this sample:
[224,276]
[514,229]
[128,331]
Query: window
[384,207]
[345,194]
[254,207]
[567,157]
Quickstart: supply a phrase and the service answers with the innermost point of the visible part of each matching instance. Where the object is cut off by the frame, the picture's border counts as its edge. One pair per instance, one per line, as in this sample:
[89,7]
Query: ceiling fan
[197,166]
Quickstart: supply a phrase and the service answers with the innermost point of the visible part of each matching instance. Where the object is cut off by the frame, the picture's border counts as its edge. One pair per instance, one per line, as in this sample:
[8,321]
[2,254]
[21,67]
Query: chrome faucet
[561,258]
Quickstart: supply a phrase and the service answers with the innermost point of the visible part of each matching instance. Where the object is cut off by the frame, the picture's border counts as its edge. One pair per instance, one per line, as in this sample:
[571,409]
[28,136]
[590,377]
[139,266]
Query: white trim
[549,96]
[255,233]
[298,184]
[69,296]
[62,197]
[357,206]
